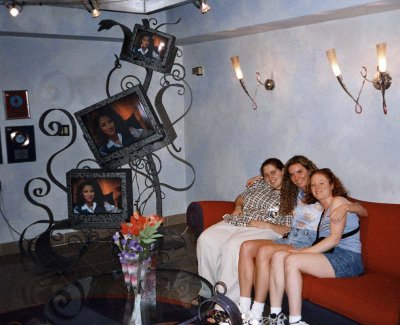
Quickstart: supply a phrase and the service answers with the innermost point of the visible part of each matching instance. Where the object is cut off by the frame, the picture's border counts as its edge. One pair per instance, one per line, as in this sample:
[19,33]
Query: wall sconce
[269,84]
[14,7]
[381,81]
[202,5]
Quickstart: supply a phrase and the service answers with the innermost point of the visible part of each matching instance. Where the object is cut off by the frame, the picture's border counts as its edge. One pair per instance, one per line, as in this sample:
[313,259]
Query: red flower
[138,222]
[124,228]
[153,219]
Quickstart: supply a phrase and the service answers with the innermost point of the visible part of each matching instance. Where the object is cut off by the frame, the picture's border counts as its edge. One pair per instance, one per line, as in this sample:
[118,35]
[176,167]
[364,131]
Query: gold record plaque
[16,104]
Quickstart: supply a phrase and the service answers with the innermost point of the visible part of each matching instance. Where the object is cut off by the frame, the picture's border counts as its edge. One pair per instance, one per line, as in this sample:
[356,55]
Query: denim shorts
[345,263]
[298,238]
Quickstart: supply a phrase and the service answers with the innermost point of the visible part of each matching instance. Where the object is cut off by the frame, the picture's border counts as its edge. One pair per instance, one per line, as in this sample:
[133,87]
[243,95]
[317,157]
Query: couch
[372,298]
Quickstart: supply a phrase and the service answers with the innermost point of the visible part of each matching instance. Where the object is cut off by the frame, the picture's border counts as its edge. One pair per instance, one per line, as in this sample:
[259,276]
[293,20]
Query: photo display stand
[40,246]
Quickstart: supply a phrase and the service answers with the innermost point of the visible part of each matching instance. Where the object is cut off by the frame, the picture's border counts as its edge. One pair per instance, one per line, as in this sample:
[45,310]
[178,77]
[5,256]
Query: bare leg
[263,261]
[277,278]
[247,255]
[315,264]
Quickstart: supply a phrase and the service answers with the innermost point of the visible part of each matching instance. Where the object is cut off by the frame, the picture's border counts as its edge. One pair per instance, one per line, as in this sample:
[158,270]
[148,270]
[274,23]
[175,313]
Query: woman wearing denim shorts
[336,253]
[255,256]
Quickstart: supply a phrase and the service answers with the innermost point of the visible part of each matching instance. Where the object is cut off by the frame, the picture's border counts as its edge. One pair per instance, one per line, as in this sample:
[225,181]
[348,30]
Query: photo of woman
[112,133]
[90,199]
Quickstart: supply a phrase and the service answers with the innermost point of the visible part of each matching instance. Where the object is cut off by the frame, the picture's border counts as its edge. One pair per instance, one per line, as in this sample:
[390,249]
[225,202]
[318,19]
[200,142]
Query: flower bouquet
[134,241]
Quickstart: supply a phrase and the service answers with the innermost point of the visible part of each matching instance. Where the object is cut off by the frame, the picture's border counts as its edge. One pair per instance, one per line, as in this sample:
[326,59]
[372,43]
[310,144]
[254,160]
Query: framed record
[16,104]
[20,144]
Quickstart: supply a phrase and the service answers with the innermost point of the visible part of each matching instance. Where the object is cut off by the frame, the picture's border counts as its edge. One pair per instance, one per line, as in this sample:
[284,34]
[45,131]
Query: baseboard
[175,219]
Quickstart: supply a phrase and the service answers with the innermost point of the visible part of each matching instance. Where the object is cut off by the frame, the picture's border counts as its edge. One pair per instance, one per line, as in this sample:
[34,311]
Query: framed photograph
[99,198]
[123,127]
[16,104]
[20,142]
[150,48]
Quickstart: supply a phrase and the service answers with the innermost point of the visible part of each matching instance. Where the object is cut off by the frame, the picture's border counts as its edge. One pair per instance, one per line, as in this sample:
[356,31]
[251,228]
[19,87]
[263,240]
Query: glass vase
[125,271]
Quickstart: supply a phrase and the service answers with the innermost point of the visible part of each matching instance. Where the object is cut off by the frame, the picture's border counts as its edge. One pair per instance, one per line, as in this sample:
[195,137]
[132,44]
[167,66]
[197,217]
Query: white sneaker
[249,319]
[274,319]
[245,319]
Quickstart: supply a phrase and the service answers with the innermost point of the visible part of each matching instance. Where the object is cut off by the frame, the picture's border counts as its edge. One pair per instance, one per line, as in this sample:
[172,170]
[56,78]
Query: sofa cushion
[379,238]
[203,214]
[373,298]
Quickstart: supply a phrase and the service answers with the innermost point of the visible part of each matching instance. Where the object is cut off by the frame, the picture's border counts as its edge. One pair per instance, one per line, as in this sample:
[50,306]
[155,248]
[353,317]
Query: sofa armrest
[203,214]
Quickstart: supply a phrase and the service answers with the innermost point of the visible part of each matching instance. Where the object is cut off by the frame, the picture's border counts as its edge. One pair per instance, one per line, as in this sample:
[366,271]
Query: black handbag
[218,299]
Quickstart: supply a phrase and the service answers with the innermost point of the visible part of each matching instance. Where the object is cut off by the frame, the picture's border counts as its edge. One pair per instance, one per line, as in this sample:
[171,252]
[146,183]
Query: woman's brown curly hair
[338,188]
[289,190]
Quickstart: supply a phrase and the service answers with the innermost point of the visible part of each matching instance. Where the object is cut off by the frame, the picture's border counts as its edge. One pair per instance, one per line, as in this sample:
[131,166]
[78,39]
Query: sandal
[218,317]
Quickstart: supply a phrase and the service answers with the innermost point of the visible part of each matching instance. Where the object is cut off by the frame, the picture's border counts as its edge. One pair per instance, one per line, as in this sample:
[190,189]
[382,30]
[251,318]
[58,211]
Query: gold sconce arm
[269,84]
[245,90]
[236,66]
[358,107]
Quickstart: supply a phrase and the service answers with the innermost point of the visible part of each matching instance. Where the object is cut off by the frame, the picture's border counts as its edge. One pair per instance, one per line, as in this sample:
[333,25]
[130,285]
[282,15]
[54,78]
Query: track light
[202,5]
[92,6]
[96,13]
[14,7]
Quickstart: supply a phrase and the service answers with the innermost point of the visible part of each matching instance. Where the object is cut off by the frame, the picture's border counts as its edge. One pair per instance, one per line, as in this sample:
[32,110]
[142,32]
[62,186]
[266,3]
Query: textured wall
[59,72]
[307,113]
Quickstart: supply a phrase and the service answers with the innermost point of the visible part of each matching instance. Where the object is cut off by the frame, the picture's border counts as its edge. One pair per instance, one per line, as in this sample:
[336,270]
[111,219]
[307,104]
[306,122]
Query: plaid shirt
[261,202]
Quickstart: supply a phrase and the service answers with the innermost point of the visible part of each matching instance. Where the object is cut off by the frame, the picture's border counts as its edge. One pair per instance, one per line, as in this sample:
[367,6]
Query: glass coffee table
[103,299]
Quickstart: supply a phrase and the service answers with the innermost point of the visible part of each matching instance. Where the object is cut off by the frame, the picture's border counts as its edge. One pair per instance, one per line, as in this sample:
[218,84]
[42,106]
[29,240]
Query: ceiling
[128,6]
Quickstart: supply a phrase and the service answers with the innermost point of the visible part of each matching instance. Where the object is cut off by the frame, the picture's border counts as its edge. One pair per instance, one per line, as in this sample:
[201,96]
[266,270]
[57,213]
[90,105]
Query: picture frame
[136,131]
[110,192]
[20,141]
[16,104]
[159,53]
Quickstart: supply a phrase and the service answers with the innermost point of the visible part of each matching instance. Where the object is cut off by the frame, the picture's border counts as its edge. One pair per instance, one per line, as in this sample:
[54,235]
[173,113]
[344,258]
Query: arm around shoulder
[342,206]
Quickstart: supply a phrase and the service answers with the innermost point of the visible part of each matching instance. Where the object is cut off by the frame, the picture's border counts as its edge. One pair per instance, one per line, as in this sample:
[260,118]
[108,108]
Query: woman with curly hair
[335,253]
[255,255]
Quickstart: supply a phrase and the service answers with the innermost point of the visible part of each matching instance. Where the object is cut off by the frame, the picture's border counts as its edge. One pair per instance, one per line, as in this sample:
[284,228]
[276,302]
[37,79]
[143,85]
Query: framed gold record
[20,142]
[16,104]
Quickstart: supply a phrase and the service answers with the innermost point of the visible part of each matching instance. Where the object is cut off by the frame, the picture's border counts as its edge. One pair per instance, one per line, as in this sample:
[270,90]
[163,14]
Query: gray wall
[45,51]
[226,140]
[308,112]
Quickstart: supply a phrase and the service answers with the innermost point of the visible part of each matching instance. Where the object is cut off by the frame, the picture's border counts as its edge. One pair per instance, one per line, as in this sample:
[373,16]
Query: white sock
[244,304]
[275,310]
[257,309]
[294,319]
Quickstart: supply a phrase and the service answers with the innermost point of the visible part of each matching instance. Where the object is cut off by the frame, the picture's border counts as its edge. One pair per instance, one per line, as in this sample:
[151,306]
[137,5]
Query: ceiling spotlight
[96,13]
[202,5]
[93,8]
[14,7]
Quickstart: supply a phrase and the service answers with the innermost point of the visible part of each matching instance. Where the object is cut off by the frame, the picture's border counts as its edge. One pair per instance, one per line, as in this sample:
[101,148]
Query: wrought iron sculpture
[41,248]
